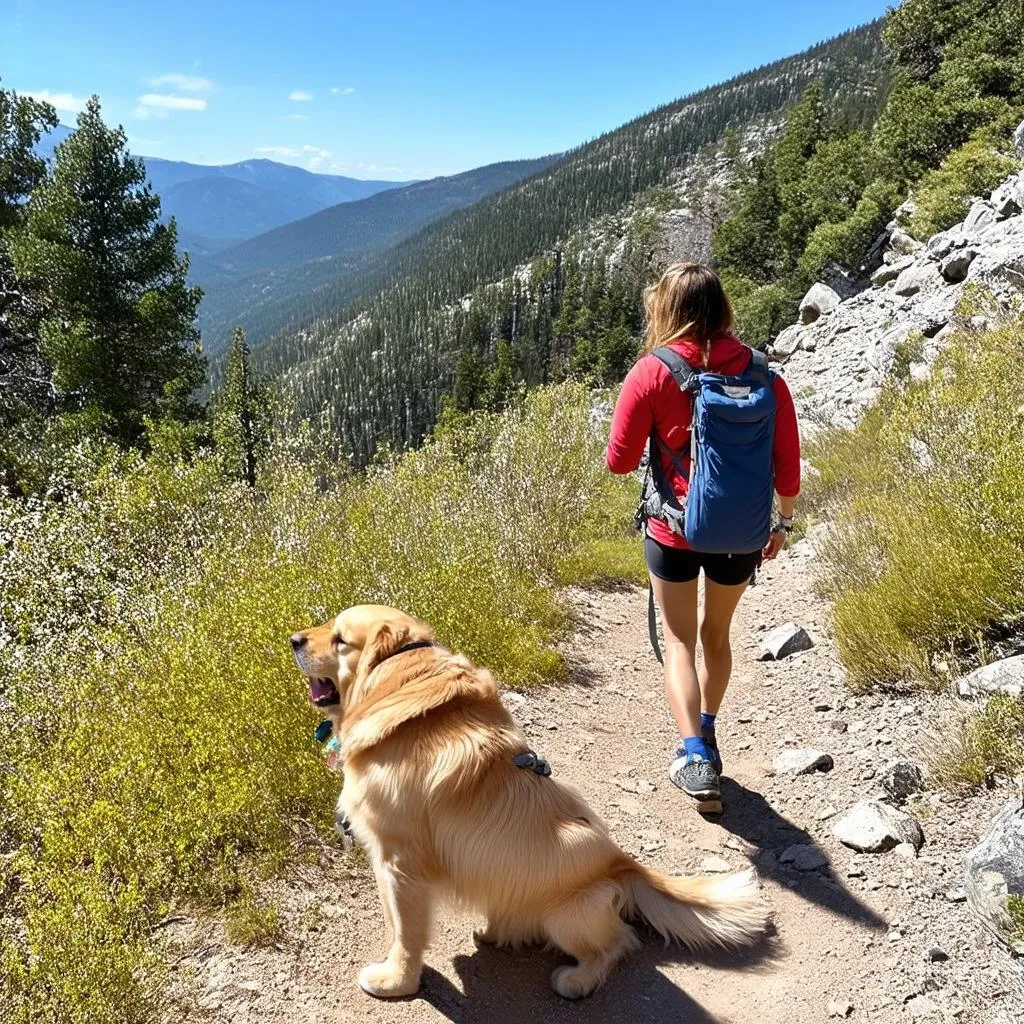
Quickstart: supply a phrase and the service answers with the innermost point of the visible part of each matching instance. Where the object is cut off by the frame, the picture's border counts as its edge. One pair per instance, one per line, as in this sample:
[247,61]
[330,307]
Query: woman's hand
[776,542]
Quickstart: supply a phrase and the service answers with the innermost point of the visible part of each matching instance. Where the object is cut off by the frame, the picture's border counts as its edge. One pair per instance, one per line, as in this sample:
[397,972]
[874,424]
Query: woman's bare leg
[720,604]
[678,604]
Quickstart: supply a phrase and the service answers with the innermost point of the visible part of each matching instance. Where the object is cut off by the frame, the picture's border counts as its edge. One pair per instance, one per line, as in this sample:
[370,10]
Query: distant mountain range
[270,281]
[219,206]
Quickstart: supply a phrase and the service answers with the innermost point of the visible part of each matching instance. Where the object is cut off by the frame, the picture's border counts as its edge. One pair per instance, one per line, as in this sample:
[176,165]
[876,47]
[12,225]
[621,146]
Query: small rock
[905,850]
[935,955]
[804,857]
[839,1008]
[871,826]
[921,1006]
[826,812]
[1006,676]
[513,701]
[714,865]
[819,299]
[783,641]
[838,726]
[803,762]
[958,894]
[900,779]
[822,705]
[955,266]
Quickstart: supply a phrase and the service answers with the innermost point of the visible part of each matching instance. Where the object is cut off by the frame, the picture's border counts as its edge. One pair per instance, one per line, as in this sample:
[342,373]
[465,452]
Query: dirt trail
[852,937]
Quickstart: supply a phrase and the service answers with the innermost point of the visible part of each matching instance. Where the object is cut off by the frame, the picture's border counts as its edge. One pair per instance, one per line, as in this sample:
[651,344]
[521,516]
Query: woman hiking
[688,316]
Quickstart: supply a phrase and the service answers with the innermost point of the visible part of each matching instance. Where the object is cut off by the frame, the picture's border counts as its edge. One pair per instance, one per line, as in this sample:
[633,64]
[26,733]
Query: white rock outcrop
[836,364]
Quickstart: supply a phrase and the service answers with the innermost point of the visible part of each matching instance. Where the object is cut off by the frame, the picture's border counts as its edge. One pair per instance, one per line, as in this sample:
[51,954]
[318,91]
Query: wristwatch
[783,523]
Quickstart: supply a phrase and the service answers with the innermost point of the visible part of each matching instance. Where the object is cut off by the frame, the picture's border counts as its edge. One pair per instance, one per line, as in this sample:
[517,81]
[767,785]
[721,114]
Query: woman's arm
[786,456]
[632,421]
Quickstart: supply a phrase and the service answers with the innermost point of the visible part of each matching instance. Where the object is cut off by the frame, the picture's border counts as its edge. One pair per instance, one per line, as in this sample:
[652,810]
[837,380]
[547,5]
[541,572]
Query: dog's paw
[573,982]
[386,982]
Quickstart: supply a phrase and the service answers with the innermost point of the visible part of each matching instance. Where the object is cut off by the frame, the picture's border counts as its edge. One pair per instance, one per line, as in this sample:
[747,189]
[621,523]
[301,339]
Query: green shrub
[943,196]
[928,548]
[846,241]
[252,923]
[762,312]
[158,735]
[989,741]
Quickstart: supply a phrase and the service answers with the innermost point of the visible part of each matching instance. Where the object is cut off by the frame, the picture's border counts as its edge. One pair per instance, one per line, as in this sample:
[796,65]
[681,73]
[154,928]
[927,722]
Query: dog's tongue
[320,689]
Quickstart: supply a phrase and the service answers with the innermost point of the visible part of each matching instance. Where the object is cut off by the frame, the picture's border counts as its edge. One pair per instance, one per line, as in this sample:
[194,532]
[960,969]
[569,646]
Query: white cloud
[295,117]
[317,159]
[184,83]
[277,150]
[62,101]
[347,91]
[161,101]
[300,96]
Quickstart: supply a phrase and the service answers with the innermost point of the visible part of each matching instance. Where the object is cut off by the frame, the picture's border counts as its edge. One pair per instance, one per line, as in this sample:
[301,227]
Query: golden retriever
[432,793]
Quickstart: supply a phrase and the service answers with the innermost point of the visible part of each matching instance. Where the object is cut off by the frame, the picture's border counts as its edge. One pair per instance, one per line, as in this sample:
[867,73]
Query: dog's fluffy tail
[705,912]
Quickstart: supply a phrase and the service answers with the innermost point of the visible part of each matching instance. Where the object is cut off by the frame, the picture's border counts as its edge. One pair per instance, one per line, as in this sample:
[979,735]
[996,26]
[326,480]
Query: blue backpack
[732,479]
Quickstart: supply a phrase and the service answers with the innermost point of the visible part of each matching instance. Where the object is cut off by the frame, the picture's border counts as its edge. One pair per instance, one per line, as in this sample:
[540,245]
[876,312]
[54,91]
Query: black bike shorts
[681,565]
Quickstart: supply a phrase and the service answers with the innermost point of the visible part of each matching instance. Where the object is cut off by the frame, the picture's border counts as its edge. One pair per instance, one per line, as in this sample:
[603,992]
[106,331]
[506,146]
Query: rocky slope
[836,359]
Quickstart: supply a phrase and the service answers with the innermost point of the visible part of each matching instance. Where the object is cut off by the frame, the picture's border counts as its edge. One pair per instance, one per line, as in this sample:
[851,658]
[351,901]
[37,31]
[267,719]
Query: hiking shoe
[708,736]
[695,777]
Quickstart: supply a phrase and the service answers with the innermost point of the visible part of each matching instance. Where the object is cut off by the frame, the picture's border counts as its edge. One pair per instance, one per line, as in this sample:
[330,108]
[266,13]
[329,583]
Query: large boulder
[1006,676]
[871,826]
[1005,200]
[818,300]
[890,271]
[787,342]
[902,242]
[1018,141]
[979,217]
[994,875]
[945,242]
[916,277]
[955,266]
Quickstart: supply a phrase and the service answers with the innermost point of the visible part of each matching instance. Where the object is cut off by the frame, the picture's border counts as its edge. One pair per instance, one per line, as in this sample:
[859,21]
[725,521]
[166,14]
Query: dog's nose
[298,641]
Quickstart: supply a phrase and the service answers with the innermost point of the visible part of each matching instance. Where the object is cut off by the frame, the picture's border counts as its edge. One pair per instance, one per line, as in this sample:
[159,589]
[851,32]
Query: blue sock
[707,721]
[694,745]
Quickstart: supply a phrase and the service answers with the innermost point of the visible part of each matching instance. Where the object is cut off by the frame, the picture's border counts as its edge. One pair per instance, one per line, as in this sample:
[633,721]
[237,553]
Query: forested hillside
[384,344]
[265,283]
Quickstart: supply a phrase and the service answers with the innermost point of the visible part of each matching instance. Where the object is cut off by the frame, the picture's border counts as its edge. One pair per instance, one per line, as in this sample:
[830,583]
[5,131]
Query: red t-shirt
[651,399]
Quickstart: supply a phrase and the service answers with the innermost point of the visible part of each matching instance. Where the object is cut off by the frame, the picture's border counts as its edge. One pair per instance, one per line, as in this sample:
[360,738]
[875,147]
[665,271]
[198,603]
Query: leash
[652,626]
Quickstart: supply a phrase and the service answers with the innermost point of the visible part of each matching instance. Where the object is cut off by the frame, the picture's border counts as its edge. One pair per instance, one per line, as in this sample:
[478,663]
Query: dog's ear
[384,640]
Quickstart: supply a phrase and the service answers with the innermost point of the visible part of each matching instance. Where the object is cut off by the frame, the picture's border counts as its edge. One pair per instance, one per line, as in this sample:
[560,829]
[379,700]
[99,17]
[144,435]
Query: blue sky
[390,90]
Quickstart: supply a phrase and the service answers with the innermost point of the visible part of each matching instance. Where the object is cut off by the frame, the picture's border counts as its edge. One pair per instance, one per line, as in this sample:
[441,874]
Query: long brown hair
[688,302]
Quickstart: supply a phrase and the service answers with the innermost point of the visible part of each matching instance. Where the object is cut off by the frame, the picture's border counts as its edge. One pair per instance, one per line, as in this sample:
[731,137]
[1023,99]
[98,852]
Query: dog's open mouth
[323,693]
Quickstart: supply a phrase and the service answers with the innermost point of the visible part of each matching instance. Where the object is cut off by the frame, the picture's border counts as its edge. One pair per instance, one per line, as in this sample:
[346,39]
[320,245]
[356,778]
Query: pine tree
[241,414]
[24,379]
[120,332]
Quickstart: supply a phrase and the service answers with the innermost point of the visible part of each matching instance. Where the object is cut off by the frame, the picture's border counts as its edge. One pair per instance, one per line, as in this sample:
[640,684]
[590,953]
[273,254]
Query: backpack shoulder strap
[682,372]
[758,365]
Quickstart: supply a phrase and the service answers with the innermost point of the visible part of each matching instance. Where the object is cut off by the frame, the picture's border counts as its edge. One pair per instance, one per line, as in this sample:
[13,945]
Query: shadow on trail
[748,815]
[513,985]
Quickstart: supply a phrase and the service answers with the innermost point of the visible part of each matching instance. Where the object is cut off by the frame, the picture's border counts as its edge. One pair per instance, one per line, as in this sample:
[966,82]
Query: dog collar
[414,646]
